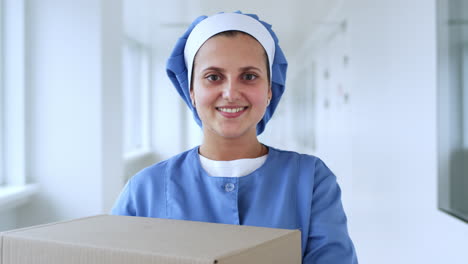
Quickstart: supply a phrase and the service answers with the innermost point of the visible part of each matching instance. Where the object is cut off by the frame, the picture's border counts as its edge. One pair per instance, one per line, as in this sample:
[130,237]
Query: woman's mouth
[231,112]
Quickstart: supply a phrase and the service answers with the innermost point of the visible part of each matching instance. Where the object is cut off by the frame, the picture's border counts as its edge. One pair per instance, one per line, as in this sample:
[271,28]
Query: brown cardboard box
[106,239]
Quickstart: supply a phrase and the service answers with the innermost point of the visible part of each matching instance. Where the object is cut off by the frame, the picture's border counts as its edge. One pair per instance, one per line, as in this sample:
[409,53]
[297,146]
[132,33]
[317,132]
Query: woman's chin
[232,133]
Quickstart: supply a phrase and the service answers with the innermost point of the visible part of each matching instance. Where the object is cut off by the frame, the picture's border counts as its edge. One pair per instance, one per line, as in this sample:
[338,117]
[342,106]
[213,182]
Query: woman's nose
[231,91]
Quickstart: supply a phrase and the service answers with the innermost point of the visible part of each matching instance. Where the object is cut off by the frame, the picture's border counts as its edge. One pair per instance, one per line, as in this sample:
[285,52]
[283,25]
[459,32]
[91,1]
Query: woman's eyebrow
[213,68]
[218,69]
[248,68]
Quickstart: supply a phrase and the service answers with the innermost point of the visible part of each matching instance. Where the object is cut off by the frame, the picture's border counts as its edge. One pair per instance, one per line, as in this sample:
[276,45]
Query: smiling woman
[230,91]
[231,177]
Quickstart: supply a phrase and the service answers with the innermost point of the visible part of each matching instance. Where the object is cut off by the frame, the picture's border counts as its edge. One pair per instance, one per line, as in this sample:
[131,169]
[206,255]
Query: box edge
[59,244]
[294,232]
[8,232]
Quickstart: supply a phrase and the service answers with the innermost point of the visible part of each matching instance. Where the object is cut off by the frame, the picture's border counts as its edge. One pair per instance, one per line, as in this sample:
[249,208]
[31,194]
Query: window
[12,92]
[14,188]
[136,93]
[453,107]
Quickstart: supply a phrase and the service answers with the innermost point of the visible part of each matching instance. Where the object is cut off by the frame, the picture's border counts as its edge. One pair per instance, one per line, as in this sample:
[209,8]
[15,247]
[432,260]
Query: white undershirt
[231,168]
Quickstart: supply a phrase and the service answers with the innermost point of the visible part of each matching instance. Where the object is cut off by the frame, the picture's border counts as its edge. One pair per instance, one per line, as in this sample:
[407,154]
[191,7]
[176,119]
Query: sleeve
[328,239]
[125,203]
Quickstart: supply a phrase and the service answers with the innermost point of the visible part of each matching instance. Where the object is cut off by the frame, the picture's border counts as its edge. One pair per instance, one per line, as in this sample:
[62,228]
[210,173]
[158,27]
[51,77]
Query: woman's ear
[192,98]
[270,95]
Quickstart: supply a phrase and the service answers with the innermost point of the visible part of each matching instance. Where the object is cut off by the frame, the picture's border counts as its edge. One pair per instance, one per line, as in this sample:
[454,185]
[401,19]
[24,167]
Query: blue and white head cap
[225,22]
[180,63]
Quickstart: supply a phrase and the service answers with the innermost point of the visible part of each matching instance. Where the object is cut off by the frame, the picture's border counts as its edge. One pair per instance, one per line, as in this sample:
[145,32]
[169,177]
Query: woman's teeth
[231,110]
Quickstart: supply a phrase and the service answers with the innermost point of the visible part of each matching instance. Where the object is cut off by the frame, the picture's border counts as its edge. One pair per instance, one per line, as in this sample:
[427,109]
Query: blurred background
[376,88]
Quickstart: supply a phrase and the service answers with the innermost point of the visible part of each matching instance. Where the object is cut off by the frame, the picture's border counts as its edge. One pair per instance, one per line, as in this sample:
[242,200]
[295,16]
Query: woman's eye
[213,77]
[249,77]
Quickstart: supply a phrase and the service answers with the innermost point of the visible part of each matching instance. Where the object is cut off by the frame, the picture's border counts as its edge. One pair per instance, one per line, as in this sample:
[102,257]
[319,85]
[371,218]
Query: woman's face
[230,85]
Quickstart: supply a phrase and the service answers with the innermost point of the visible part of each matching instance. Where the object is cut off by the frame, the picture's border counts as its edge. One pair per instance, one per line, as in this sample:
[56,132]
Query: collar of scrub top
[187,46]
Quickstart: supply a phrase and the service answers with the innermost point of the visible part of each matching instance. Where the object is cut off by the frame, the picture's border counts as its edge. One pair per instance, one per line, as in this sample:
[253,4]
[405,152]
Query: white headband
[218,23]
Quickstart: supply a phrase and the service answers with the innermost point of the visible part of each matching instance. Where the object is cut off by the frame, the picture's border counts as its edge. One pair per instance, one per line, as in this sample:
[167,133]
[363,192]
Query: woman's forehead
[237,50]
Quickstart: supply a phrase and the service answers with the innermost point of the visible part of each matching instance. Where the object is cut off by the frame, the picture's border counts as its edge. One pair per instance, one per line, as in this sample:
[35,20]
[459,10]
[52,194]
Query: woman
[231,73]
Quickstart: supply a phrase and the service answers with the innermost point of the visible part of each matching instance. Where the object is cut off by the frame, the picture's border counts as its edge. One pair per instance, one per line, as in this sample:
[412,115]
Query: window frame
[14,93]
[2,104]
[451,118]
[15,190]
[14,187]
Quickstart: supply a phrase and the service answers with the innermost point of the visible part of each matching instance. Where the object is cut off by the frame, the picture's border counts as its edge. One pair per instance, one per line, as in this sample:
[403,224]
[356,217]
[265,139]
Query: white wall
[75,153]
[390,191]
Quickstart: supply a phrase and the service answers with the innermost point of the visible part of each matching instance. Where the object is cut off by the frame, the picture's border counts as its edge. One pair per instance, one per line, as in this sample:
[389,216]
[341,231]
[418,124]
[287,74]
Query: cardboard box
[110,239]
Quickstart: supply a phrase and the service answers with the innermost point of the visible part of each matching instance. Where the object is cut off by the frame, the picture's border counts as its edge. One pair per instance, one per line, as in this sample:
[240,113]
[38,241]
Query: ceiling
[292,20]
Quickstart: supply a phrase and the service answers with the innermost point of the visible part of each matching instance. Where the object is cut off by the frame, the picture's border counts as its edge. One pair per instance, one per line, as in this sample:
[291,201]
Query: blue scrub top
[290,190]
